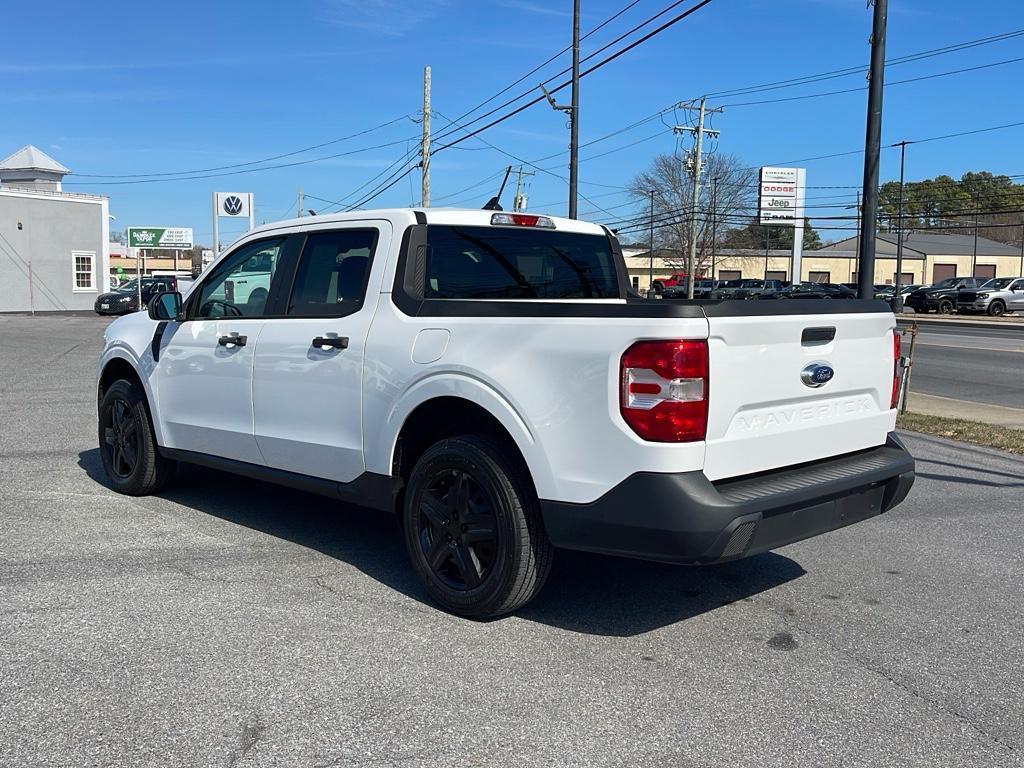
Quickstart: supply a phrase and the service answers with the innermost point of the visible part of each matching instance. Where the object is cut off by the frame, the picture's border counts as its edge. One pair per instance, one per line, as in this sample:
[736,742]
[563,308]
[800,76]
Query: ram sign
[174,238]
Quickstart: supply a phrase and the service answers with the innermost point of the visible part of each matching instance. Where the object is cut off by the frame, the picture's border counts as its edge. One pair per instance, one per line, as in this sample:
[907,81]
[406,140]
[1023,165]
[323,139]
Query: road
[983,364]
[232,623]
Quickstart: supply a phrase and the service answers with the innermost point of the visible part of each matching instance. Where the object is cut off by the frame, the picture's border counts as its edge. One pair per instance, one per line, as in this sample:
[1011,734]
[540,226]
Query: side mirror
[165,306]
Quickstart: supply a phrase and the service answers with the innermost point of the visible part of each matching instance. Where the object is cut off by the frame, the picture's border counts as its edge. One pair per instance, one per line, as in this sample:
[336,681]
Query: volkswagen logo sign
[817,375]
[232,205]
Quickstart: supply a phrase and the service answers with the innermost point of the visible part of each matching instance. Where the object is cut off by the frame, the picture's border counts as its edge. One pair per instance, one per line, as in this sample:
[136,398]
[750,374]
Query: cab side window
[240,285]
[330,280]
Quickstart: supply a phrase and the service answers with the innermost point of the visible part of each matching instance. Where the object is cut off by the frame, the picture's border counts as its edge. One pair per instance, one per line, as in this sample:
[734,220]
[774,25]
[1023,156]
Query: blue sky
[140,88]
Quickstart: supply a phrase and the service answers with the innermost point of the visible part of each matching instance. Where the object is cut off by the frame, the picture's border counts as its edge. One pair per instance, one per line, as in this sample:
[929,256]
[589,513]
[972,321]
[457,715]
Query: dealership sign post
[167,238]
[234,205]
[780,203]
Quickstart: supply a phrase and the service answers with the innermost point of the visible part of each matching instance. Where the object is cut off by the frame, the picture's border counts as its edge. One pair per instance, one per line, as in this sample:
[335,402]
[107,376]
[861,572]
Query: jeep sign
[176,238]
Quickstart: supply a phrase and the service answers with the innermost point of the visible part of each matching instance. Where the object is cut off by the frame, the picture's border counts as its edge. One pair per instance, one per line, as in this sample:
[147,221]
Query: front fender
[380,454]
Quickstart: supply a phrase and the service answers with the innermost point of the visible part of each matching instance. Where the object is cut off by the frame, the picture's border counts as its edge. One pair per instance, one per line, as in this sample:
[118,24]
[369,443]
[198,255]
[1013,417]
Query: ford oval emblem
[817,374]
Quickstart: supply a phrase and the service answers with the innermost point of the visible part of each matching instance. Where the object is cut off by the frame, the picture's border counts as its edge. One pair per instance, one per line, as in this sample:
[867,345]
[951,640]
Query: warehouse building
[927,258]
[54,245]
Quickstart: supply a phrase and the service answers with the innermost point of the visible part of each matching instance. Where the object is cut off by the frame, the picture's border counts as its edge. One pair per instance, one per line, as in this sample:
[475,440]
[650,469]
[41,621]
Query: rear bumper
[685,518]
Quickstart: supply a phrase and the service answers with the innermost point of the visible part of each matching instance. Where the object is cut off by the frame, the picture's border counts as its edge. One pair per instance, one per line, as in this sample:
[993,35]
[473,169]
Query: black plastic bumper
[685,518]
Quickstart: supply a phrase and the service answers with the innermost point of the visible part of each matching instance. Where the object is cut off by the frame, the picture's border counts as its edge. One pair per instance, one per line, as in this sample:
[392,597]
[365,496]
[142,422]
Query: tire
[996,308]
[128,449]
[945,307]
[473,528]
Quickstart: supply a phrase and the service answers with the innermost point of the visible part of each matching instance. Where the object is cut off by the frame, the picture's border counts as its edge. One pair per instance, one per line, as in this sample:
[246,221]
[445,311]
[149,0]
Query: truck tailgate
[762,414]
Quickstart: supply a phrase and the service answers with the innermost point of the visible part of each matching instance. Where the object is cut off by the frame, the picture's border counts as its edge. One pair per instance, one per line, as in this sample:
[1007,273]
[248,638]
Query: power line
[584,73]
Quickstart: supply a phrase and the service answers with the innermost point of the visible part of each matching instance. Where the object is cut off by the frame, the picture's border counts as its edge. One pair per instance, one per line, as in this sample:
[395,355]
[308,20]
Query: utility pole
[1021,251]
[650,252]
[698,132]
[714,224]
[519,201]
[425,149]
[974,255]
[897,300]
[872,150]
[572,109]
[300,203]
[574,124]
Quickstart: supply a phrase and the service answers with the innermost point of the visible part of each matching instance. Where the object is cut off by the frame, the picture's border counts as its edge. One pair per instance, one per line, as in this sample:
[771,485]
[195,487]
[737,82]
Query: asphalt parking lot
[232,623]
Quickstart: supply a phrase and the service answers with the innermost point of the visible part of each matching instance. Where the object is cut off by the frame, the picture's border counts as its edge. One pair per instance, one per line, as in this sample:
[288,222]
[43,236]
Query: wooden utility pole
[574,115]
[872,150]
[698,167]
[425,149]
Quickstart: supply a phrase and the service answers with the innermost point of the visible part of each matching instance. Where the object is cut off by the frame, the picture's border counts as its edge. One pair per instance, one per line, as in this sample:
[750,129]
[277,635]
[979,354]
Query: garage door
[985,271]
[942,271]
[821,277]
[729,274]
[775,274]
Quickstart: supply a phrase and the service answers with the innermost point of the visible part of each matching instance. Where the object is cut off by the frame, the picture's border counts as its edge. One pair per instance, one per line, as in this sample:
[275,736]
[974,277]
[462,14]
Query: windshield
[949,282]
[998,283]
[130,287]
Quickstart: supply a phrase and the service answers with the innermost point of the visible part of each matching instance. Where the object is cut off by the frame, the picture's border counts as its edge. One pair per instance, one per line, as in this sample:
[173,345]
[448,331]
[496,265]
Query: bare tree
[672,184]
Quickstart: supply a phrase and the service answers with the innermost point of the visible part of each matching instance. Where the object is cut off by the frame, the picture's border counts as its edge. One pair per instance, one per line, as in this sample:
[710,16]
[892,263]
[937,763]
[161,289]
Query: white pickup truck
[490,378]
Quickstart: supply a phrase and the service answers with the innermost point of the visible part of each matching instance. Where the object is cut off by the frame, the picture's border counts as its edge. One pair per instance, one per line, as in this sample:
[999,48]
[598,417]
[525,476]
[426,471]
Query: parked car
[702,289]
[453,367]
[745,289]
[661,283]
[125,298]
[940,297]
[996,297]
[811,291]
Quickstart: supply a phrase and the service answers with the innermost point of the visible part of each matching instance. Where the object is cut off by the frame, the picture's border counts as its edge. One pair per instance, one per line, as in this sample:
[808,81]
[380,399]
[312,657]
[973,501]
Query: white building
[54,245]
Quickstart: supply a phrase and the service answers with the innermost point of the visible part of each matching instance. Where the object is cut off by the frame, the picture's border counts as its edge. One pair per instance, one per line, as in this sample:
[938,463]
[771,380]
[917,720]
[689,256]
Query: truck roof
[464,216]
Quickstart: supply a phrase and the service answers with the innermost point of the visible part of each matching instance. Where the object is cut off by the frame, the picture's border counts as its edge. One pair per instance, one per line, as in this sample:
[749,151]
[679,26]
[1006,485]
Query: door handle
[234,338]
[338,342]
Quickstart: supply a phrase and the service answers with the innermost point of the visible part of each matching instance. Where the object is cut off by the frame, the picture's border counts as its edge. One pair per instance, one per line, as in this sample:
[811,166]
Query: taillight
[664,390]
[895,400]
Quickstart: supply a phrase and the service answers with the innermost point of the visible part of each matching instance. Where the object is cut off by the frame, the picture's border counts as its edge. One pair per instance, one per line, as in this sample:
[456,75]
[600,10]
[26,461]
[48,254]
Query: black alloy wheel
[128,448]
[945,307]
[473,528]
[121,439]
[456,529]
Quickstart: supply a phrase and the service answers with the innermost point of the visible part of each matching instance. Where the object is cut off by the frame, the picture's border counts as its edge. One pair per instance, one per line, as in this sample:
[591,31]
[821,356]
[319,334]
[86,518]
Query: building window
[84,275]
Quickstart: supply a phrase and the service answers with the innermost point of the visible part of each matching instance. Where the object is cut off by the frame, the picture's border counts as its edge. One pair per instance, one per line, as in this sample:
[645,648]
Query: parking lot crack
[879,671]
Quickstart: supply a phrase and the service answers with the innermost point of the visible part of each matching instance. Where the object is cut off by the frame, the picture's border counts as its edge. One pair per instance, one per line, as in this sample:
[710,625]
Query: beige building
[927,258]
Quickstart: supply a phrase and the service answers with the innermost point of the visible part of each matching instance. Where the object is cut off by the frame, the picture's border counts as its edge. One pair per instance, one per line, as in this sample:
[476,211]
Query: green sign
[177,238]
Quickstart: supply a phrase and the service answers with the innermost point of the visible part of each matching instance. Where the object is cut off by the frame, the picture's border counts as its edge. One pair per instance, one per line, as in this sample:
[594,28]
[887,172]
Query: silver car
[996,297]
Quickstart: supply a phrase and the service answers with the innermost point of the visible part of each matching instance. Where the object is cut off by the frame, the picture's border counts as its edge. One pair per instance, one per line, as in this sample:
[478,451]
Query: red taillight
[895,400]
[663,393]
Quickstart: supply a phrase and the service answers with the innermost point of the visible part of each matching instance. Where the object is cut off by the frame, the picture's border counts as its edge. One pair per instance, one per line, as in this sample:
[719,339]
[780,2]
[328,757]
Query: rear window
[514,263]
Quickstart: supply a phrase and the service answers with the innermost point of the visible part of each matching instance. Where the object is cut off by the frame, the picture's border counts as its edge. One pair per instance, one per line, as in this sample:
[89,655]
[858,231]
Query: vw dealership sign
[233,205]
[176,238]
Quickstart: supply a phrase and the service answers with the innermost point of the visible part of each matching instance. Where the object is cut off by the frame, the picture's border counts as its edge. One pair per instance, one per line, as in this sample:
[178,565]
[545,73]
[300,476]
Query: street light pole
[897,299]
[872,150]
[714,225]
[650,268]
